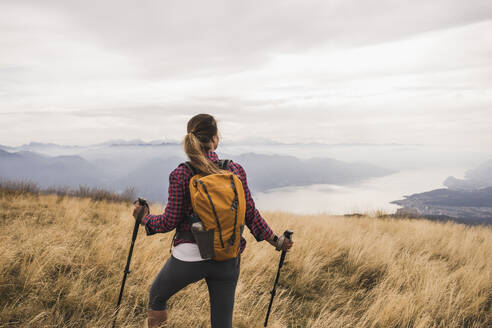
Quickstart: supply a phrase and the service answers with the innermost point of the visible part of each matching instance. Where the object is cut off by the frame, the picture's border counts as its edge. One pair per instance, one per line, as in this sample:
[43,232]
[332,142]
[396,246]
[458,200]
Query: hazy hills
[466,200]
[146,166]
[480,177]
[49,171]
[470,207]
[390,155]
[274,171]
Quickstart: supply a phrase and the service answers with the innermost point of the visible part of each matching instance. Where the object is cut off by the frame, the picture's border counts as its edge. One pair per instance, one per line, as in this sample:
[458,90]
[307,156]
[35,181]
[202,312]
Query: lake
[366,197]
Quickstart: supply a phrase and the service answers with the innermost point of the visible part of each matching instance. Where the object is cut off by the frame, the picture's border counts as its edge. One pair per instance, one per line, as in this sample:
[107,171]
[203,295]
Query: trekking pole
[142,202]
[288,235]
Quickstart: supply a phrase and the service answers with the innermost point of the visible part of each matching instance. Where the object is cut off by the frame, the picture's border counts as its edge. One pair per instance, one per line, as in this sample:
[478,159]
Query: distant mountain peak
[252,141]
[41,144]
[136,142]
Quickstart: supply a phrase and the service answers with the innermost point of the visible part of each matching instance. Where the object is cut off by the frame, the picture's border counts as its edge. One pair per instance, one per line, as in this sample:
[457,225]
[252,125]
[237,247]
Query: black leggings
[221,278]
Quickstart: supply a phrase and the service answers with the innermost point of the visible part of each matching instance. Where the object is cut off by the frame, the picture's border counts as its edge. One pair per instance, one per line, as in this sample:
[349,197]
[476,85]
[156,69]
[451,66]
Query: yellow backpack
[218,201]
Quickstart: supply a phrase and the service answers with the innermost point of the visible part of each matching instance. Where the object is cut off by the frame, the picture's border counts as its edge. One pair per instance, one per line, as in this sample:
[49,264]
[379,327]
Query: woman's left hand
[286,243]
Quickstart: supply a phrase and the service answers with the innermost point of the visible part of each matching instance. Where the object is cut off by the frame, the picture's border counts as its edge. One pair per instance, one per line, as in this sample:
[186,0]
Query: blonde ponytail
[195,150]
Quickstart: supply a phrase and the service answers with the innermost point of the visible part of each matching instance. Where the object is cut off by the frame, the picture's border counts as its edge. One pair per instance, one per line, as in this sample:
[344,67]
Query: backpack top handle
[223,164]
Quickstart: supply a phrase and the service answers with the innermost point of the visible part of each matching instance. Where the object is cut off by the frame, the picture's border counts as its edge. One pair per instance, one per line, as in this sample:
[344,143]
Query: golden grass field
[62,261]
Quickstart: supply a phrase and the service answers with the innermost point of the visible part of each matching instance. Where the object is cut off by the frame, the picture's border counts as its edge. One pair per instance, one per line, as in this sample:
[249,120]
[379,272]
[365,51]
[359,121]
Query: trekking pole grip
[288,235]
[142,202]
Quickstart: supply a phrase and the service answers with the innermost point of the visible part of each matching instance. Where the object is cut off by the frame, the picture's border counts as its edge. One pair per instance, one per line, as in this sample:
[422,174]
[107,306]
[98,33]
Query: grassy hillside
[62,261]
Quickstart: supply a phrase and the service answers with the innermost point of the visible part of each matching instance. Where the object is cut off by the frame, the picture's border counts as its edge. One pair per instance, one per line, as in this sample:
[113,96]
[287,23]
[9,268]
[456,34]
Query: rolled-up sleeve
[174,211]
[257,225]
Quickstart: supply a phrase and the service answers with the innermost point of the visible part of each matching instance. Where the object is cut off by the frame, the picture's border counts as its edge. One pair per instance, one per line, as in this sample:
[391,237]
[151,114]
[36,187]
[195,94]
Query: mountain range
[118,165]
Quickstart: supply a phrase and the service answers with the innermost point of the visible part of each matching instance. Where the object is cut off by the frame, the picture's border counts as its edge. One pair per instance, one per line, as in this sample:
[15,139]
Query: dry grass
[62,261]
[16,188]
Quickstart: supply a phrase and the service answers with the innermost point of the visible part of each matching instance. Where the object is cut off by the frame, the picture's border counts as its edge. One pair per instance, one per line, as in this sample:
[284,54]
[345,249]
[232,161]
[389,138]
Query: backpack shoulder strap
[190,167]
[224,164]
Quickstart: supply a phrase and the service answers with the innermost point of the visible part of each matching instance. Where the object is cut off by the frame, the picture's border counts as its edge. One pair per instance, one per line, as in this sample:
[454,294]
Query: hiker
[186,264]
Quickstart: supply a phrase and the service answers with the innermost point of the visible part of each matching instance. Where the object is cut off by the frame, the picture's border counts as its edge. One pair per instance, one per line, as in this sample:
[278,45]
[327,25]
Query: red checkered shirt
[178,207]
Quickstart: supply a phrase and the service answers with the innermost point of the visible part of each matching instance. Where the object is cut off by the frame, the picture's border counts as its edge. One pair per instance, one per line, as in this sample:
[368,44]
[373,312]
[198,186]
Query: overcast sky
[339,71]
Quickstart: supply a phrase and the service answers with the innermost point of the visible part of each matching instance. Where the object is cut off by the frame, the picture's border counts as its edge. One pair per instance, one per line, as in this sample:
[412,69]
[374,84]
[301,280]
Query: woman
[186,266]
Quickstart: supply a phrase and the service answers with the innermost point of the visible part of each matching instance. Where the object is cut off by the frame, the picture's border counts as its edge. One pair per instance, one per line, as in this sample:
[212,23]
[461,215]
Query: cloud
[337,71]
[205,37]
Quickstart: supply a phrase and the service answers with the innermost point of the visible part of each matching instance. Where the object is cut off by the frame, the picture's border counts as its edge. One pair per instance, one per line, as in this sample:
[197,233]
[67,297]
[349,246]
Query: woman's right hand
[138,208]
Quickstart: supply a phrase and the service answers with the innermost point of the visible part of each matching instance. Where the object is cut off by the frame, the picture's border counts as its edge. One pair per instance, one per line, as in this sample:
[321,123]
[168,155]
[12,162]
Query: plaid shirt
[178,207]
